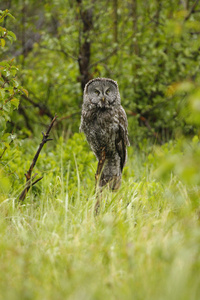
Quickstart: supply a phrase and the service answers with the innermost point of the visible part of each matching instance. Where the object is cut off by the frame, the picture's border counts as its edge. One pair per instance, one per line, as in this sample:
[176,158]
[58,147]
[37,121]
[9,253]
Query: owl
[104,123]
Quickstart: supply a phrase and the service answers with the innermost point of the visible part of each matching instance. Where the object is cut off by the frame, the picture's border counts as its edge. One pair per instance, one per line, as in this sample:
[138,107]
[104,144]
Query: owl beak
[103,99]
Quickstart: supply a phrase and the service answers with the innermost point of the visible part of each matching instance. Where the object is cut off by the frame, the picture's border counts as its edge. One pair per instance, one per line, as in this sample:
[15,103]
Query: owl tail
[113,182]
[111,173]
[106,176]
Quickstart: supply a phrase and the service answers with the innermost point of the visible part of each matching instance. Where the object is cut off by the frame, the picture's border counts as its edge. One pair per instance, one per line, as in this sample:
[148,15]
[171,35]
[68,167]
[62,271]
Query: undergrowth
[144,244]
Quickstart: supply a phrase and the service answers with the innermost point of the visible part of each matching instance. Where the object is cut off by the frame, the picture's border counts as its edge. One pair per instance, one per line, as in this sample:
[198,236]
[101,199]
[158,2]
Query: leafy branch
[192,10]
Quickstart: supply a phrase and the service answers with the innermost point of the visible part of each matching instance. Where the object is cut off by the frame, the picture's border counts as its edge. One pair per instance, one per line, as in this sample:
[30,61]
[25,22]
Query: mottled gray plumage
[104,123]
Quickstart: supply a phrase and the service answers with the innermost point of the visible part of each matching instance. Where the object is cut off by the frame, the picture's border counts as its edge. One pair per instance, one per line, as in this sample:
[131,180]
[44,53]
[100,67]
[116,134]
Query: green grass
[144,244]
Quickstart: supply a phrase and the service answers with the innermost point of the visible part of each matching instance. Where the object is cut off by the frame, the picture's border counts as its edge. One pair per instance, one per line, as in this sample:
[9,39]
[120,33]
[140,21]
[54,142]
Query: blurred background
[151,48]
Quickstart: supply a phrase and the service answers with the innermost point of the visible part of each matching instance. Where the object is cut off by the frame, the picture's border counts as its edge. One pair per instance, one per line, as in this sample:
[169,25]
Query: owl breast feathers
[104,123]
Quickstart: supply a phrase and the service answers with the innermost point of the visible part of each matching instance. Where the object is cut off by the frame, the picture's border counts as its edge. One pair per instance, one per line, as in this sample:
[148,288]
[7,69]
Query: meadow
[144,243]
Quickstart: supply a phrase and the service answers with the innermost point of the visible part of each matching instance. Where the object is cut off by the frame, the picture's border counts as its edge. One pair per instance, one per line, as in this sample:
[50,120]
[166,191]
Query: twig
[8,100]
[145,121]
[29,180]
[42,107]
[68,116]
[29,183]
[191,10]
[67,55]
[4,150]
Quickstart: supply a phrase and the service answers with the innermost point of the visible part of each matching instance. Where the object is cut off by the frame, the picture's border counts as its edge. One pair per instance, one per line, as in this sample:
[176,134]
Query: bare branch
[42,107]
[29,179]
[68,116]
[66,54]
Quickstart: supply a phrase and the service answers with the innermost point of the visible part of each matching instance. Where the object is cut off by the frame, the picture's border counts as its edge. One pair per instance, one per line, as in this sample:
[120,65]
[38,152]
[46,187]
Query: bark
[86,18]
[115,21]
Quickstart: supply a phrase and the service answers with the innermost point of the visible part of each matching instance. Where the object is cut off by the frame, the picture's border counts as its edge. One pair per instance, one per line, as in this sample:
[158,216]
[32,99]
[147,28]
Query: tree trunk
[85,15]
[115,21]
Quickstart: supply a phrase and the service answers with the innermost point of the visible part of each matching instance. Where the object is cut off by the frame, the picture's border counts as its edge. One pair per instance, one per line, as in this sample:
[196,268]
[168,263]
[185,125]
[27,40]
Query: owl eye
[97,92]
[108,91]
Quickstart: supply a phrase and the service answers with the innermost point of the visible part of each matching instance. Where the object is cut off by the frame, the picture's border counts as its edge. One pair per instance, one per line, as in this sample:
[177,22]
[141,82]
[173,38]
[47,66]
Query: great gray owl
[104,122]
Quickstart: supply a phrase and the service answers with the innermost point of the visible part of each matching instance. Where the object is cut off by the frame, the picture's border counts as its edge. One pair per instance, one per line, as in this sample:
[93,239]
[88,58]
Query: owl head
[101,93]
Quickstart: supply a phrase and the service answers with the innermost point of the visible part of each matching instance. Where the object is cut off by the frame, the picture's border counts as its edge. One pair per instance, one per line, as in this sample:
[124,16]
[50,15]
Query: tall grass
[144,244]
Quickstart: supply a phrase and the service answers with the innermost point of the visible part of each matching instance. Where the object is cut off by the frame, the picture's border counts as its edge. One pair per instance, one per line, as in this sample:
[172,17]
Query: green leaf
[3,42]
[4,63]
[12,35]
[15,102]
[5,136]
[15,83]
[9,14]
[2,30]
[24,91]
[6,145]
[2,93]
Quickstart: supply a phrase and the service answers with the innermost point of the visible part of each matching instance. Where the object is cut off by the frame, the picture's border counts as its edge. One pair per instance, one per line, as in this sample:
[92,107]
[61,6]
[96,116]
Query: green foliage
[70,160]
[4,185]
[56,248]
[145,241]
[157,48]
[177,164]
[10,90]
[4,33]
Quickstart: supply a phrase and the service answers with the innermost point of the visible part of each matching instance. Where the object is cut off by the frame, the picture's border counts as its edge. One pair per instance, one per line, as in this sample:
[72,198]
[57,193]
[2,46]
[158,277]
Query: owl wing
[122,138]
